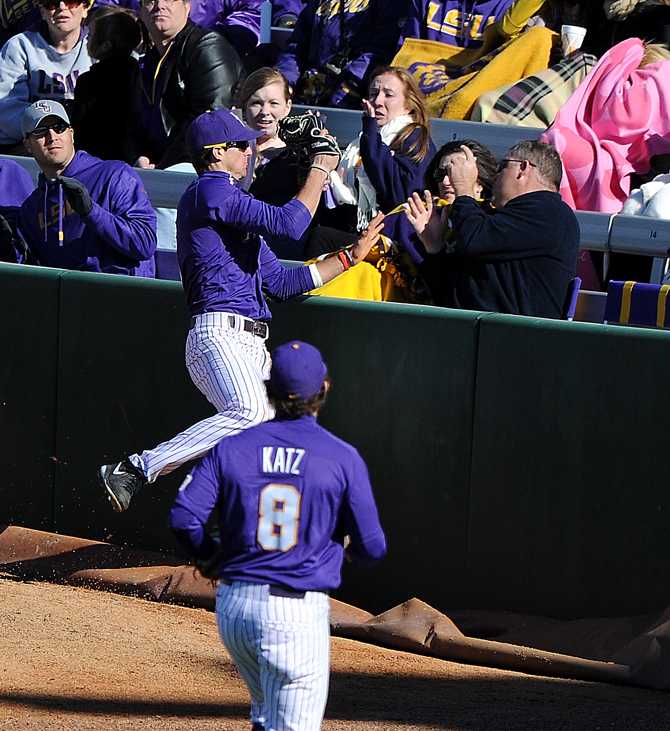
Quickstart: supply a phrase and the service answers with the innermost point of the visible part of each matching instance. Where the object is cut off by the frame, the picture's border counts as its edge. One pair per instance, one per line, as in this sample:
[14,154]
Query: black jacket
[105,109]
[518,260]
[200,71]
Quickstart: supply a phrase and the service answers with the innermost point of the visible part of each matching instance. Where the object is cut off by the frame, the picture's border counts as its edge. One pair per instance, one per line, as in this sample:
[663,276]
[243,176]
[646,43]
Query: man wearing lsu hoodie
[86,214]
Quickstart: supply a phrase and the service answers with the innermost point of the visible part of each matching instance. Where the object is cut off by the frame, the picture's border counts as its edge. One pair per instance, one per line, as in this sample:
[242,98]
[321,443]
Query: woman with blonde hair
[385,164]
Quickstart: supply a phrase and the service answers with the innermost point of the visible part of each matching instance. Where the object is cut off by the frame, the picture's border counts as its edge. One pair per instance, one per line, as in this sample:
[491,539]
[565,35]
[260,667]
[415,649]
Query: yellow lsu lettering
[330,8]
[52,215]
[454,20]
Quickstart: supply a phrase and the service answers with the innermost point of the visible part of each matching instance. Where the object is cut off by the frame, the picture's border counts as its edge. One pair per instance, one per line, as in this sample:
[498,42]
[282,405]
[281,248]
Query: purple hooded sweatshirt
[455,22]
[368,35]
[118,236]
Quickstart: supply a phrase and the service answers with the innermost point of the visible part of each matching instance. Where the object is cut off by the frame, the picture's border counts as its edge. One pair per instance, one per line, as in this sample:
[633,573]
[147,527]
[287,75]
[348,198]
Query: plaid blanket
[535,100]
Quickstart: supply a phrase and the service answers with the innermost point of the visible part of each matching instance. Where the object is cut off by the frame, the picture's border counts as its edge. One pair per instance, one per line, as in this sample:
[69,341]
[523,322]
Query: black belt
[277,591]
[259,329]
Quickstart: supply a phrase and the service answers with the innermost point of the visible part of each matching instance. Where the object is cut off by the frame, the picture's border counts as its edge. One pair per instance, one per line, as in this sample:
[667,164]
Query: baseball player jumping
[287,494]
[225,266]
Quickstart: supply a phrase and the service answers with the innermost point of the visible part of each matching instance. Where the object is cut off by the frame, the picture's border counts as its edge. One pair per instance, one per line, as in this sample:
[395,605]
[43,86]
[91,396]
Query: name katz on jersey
[286,460]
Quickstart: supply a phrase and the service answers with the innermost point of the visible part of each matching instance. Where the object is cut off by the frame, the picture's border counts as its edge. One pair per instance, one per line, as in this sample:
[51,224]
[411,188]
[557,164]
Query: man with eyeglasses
[226,267]
[42,64]
[187,71]
[520,258]
[86,214]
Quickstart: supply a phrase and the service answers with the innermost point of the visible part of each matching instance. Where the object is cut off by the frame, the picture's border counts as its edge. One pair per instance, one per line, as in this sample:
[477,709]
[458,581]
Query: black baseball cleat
[121,481]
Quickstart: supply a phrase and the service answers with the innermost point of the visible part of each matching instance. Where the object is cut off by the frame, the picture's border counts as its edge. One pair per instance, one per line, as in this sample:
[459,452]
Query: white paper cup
[572,37]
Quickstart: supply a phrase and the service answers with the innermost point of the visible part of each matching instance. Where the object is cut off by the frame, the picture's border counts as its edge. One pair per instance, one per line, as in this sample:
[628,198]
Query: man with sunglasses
[226,267]
[86,214]
[520,258]
[42,64]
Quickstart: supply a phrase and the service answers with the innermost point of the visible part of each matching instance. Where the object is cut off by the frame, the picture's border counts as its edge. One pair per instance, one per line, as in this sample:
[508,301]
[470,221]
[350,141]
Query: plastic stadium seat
[571,298]
[637,303]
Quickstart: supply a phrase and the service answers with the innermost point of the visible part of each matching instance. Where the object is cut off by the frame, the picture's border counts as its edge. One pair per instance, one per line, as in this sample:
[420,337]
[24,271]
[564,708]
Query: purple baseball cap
[214,128]
[297,371]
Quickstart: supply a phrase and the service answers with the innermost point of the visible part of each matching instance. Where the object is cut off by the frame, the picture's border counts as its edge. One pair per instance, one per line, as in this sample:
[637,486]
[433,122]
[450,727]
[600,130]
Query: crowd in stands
[91,91]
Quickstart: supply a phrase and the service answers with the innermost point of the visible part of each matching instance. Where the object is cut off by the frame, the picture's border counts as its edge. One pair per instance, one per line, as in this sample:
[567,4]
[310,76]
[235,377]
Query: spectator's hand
[428,221]
[144,163]
[77,195]
[463,173]
[368,109]
[419,210]
[368,238]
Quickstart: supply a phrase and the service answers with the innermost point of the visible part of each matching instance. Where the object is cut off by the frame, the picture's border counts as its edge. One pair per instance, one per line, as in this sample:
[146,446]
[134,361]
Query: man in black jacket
[518,259]
[188,71]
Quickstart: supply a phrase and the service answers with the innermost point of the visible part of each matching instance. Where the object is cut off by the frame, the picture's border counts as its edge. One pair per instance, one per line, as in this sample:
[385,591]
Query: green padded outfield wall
[518,463]
[123,388]
[570,506]
[28,378]
[403,394]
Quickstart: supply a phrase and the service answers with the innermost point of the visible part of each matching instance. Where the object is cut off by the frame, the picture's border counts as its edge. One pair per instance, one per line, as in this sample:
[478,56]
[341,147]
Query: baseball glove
[324,145]
[300,129]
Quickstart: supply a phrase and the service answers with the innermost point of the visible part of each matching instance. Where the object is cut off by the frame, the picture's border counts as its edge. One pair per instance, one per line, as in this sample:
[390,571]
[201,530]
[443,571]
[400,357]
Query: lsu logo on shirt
[455,23]
[61,85]
[285,460]
[331,8]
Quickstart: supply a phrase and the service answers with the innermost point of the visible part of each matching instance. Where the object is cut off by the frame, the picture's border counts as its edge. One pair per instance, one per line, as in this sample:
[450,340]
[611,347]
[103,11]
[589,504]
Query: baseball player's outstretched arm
[334,265]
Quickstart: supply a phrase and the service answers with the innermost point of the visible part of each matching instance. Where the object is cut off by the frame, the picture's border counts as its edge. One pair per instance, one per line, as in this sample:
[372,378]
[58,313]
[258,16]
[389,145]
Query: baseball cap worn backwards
[297,371]
[211,129]
[40,110]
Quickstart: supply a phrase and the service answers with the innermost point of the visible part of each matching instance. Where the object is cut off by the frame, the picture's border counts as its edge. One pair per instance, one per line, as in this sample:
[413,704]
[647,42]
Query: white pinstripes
[281,648]
[229,366]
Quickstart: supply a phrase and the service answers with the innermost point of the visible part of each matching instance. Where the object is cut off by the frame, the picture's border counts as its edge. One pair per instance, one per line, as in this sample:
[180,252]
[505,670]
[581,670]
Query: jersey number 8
[278,517]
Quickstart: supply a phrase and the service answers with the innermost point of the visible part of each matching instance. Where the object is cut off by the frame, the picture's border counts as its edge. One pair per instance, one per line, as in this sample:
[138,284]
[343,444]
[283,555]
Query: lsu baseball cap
[297,371]
[214,128]
[39,110]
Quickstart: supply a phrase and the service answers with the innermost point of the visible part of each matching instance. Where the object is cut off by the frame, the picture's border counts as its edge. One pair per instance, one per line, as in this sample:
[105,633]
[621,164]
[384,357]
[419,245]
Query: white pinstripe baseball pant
[229,366]
[281,647]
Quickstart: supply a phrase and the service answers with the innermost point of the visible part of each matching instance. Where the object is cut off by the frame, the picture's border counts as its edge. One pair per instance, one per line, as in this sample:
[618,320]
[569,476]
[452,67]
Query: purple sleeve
[280,8]
[245,211]
[193,505]
[240,22]
[291,60]
[392,176]
[280,282]
[414,22]
[129,226]
[379,41]
[360,516]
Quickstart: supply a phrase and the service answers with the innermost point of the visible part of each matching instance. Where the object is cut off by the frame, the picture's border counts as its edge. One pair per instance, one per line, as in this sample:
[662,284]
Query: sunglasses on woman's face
[241,145]
[55,4]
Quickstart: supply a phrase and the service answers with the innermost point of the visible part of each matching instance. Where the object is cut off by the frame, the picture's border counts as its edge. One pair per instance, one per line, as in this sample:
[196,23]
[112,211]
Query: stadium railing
[599,231]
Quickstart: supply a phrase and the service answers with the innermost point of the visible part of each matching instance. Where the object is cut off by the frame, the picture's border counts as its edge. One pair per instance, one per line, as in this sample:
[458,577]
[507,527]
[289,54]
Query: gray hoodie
[31,69]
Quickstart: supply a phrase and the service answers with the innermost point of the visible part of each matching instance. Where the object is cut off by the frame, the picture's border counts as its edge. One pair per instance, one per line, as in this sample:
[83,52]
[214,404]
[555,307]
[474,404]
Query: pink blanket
[617,119]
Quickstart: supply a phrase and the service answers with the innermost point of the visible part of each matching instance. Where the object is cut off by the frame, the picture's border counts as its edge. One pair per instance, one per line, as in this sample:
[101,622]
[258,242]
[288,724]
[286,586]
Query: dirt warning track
[74,658]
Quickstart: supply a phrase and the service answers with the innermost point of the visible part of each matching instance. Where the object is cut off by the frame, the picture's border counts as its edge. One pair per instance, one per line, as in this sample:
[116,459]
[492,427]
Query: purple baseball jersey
[225,265]
[287,492]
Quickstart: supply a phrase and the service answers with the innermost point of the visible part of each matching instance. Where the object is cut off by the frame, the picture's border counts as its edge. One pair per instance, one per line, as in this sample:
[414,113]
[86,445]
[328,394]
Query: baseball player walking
[225,266]
[287,493]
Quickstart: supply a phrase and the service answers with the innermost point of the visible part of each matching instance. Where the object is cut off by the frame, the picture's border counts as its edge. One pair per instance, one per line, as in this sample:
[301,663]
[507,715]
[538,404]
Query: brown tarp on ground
[629,650]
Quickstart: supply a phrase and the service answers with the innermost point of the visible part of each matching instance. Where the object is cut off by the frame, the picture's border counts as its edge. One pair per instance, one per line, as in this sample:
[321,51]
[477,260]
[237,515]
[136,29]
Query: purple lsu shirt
[225,263]
[287,493]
